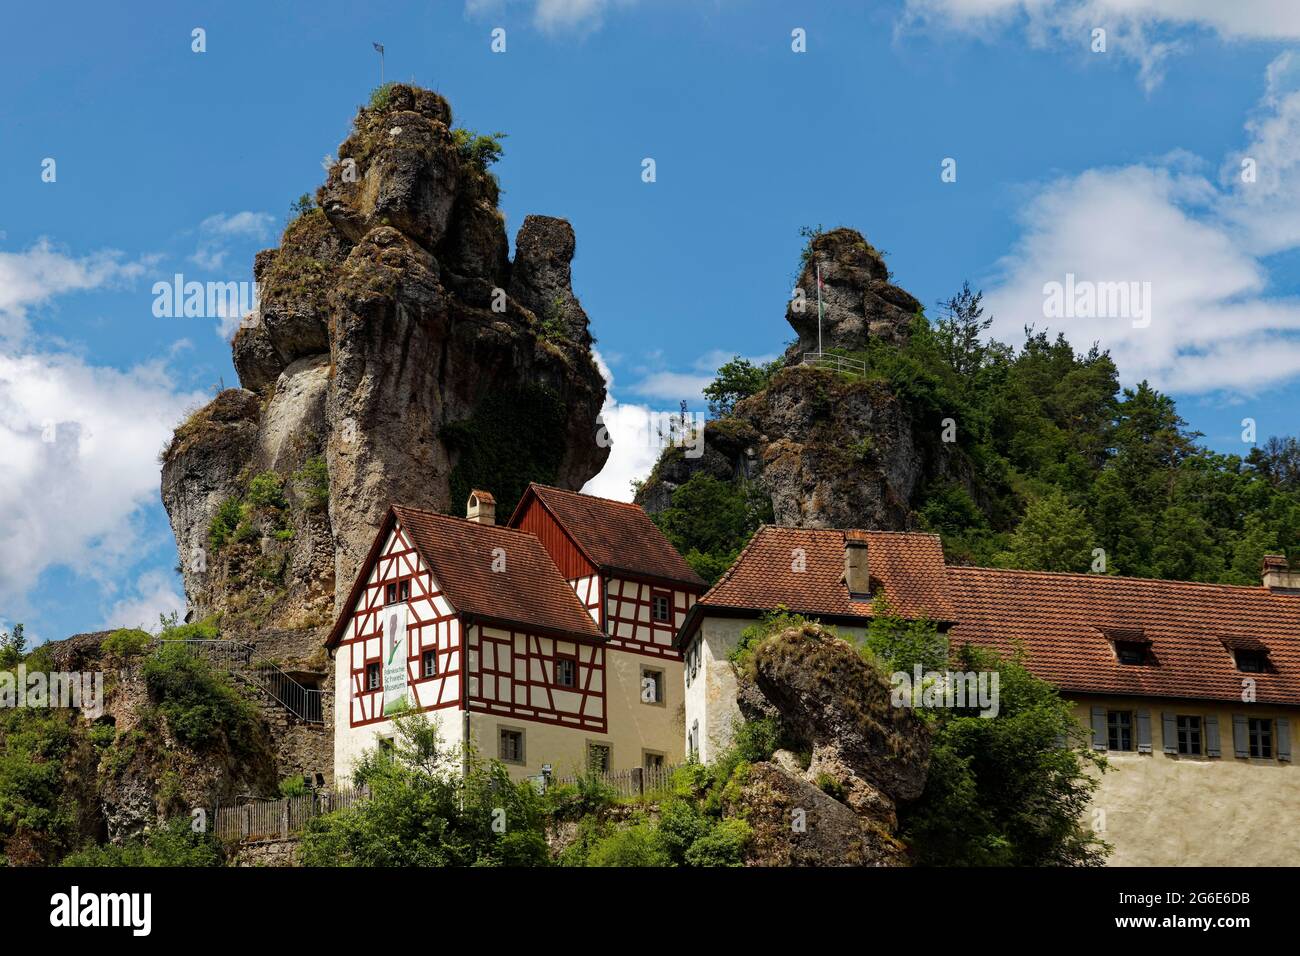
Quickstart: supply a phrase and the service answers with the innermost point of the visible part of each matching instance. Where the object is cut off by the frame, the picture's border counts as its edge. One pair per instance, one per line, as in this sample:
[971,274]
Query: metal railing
[637,782]
[280,819]
[236,657]
[838,363]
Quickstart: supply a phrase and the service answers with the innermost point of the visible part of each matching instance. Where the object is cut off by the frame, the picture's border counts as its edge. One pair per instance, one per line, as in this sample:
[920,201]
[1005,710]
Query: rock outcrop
[396,355]
[831,447]
[863,755]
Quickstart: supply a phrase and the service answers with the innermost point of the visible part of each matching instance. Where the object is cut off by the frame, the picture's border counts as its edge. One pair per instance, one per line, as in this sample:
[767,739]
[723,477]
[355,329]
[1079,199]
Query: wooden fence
[278,819]
[637,782]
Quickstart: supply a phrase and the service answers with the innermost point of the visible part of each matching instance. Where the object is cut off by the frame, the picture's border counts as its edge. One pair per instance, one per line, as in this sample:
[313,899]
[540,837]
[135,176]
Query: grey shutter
[1240,736]
[1169,732]
[1144,731]
[1283,738]
[1099,728]
[1212,736]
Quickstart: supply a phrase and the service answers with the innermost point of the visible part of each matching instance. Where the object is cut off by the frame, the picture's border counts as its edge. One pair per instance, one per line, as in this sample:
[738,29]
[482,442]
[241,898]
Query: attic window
[1131,653]
[1252,661]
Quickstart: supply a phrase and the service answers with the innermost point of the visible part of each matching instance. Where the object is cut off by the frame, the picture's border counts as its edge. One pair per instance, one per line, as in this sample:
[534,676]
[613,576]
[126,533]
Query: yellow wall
[1159,809]
[633,727]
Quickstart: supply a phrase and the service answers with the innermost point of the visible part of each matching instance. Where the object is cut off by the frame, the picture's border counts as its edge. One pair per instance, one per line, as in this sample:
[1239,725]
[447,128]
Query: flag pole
[379,48]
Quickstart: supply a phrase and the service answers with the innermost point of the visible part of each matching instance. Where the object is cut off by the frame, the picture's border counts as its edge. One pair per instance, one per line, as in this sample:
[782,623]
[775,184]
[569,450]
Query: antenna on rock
[379,48]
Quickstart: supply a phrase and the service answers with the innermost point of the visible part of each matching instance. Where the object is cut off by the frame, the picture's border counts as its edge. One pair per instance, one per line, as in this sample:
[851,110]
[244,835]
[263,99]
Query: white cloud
[219,230]
[553,16]
[672,387]
[1214,324]
[631,456]
[1131,25]
[35,276]
[154,594]
[79,445]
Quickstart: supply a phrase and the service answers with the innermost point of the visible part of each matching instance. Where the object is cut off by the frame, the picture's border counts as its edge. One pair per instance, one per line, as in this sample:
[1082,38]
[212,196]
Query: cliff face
[831,449]
[397,355]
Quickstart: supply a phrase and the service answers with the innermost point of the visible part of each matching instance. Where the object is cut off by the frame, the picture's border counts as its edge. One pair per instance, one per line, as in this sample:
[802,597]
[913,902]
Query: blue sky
[1116,165]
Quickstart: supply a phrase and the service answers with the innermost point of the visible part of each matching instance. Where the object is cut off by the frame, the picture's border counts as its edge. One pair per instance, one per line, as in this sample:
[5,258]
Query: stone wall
[266,853]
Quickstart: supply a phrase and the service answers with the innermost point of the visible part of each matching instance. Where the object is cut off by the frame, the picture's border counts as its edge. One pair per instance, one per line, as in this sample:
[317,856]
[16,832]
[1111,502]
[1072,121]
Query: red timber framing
[432,624]
[513,674]
[630,621]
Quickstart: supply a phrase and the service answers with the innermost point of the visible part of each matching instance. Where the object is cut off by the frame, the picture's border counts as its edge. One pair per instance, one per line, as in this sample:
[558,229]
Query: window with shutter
[1098,728]
[1119,730]
[1189,735]
[1240,745]
[1261,737]
[1144,731]
[1212,748]
[1169,732]
[1283,738]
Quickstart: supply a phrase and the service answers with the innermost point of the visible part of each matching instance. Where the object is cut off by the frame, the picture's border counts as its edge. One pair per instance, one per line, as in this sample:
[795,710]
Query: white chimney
[857,572]
[481,507]
[1278,575]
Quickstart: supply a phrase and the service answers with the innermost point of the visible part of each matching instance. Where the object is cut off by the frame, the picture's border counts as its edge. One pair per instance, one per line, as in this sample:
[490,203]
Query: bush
[478,151]
[199,703]
[172,844]
[313,482]
[126,642]
[634,845]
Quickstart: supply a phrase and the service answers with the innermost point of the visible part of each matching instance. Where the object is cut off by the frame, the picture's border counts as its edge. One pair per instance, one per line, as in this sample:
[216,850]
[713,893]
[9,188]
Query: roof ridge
[425,512]
[1111,577]
[583,494]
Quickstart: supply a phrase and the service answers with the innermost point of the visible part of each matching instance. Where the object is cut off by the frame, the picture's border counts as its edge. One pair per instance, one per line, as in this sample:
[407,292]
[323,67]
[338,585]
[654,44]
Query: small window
[1261,737]
[652,686]
[1119,730]
[653,761]
[693,740]
[1131,652]
[1189,735]
[404,591]
[1252,662]
[566,672]
[661,606]
[374,676]
[390,594]
[429,664]
[512,746]
[598,757]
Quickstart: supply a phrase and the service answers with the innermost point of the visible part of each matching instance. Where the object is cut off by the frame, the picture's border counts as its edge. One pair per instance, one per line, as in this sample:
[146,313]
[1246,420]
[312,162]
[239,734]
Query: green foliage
[737,379]
[1003,791]
[637,844]
[1052,536]
[902,644]
[126,642]
[478,151]
[589,795]
[262,508]
[423,811]
[301,206]
[172,844]
[709,521]
[13,645]
[514,436]
[199,703]
[293,787]
[381,96]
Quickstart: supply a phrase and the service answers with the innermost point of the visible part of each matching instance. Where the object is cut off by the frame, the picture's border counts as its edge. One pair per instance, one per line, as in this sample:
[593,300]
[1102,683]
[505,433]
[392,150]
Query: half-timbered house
[505,636]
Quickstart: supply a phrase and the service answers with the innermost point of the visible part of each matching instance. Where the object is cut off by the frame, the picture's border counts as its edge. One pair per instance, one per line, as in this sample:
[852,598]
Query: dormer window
[1131,653]
[1251,661]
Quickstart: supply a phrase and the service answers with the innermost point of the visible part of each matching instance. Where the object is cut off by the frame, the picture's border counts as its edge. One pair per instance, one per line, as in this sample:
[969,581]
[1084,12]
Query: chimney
[481,507]
[1278,575]
[857,574]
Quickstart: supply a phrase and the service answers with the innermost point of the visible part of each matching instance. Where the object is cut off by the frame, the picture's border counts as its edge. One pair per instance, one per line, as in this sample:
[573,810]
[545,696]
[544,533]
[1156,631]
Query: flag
[379,47]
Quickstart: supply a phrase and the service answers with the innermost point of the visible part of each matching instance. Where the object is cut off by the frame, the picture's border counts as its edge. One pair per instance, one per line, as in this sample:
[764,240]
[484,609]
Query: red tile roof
[530,592]
[614,535]
[909,567]
[1062,621]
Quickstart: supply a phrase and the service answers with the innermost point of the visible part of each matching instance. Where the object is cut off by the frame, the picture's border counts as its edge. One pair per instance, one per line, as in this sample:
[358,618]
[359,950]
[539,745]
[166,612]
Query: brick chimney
[857,569]
[1278,575]
[481,507]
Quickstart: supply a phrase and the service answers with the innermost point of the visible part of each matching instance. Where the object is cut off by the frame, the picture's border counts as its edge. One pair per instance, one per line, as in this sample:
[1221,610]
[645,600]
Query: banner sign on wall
[395,674]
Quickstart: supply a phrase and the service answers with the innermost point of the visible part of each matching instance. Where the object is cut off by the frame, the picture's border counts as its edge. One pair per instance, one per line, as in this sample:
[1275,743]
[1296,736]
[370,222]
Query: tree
[1053,536]
[430,805]
[710,520]
[737,379]
[13,645]
[961,329]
